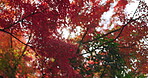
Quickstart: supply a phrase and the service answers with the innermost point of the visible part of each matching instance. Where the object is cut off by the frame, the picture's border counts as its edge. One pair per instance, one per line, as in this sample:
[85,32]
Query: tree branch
[14,37]
[121,30]
[20,20]
[25,47]
[17,63]
[81,41]
[131,20]
[102,36]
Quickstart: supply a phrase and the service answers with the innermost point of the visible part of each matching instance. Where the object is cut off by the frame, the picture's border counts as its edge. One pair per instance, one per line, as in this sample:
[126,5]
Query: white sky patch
[146,2]
[85,55]
[131,8]
[65,33]
[106,18]
[78,30]
[70,1]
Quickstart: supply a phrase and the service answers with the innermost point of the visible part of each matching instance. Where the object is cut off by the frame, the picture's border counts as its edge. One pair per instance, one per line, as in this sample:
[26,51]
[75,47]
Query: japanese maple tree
[113,47]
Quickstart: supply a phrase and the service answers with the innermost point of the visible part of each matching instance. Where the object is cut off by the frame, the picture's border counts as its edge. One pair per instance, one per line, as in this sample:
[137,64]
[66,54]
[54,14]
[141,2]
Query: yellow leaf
[52,59]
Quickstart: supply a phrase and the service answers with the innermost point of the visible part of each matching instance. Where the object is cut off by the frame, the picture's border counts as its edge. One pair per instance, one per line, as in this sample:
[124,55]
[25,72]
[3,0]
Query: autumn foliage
[33,45]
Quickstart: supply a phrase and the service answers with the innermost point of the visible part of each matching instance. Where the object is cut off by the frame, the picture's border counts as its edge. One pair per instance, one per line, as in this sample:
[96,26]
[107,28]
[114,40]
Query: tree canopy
[104,39]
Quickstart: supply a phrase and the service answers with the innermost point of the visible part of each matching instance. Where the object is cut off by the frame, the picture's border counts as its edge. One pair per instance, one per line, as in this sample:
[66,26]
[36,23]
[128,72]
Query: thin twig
[102,36]
[121,30]
[81,41]
[131,20]
[21,20]
[14,37]
[17,63]
[25,47]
